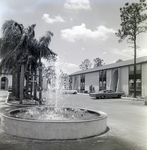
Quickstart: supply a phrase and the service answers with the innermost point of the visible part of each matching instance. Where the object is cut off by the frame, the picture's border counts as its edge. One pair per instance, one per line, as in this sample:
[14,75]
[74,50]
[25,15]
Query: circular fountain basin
[70,123]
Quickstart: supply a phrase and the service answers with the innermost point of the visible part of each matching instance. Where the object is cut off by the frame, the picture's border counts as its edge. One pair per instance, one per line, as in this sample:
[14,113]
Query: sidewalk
[3,93]
[3,97]
[132,98]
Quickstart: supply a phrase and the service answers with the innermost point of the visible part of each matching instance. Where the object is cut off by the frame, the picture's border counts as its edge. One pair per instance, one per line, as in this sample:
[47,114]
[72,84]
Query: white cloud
[81,32]
[70,68]
[71,19]
[77,4]
[83,48]
[47,18]
[125,52]
[70,65]
[104,53]
[129,53]
[141,52]
[66,67]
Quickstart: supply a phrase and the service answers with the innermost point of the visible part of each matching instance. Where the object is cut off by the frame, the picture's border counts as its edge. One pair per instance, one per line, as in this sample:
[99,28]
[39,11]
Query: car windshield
[106,91]
[102,91]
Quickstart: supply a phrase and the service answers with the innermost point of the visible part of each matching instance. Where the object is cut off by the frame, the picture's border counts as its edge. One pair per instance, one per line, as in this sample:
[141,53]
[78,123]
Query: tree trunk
[27,85]
[17,83]
[135,67]
[13,82]
[40,83]
[31,90]
[35,84]
[21,83]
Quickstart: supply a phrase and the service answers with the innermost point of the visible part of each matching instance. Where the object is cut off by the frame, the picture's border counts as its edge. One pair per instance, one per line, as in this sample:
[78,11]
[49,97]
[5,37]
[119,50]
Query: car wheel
[103,97]
[75,93]
[119,96]
[97,97]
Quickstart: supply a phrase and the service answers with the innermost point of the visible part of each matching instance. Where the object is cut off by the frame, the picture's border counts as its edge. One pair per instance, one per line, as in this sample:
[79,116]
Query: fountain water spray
[54,75]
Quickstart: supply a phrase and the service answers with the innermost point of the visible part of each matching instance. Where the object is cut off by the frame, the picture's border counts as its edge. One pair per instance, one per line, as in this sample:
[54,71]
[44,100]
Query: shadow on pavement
[103,142]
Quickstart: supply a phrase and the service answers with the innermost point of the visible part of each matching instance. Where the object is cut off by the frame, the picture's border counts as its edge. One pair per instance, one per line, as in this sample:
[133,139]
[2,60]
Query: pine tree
[132,23]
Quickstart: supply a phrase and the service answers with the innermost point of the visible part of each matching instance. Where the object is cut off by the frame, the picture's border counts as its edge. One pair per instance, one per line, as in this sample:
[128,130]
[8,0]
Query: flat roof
[113,65]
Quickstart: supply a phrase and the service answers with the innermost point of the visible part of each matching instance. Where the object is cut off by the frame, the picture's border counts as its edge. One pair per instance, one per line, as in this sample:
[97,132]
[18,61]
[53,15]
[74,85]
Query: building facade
[117,77]
[5,81]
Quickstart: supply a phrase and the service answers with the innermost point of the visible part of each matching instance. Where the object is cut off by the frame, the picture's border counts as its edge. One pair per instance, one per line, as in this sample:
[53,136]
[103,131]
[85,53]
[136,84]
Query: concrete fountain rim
[101,116]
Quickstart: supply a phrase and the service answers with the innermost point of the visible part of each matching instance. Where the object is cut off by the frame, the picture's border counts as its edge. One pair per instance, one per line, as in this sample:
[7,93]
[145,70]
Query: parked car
[69,92]
[106,94]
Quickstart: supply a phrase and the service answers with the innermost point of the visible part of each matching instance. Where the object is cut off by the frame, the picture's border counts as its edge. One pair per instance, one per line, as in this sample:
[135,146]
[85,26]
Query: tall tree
[12,40]
[27,36]
[86,64]
[133,19]
[98,62]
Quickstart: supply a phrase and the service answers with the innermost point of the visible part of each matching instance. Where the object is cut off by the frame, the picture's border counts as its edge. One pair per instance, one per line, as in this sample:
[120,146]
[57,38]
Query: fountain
[54,122]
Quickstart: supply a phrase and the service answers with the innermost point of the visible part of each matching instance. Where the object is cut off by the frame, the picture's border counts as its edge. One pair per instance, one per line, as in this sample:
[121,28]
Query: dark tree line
[86,64]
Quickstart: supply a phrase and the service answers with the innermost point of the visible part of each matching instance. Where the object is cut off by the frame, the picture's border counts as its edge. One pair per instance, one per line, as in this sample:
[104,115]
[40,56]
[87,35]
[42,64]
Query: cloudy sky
[83,29]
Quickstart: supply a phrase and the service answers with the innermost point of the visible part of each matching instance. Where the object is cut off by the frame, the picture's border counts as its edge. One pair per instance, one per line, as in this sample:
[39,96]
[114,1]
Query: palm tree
[23,45]
[14,48]
[44,52]
[12,32]
[38,50]
[21,52]
[33,48]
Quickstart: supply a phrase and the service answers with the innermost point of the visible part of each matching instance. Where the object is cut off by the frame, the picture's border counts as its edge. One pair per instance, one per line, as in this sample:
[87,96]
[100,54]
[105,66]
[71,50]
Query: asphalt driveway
[127,121]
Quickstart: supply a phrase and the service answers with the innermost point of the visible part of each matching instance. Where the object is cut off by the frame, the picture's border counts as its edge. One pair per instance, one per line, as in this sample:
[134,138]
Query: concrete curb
[134,99]
[17,105]
[83,94]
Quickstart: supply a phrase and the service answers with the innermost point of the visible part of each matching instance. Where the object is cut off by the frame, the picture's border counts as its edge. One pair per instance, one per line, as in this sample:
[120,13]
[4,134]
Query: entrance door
[4,83]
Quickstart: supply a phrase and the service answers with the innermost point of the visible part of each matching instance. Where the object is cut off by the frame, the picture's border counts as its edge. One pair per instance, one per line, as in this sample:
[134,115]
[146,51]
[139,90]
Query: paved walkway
[3,97]
[127,121]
